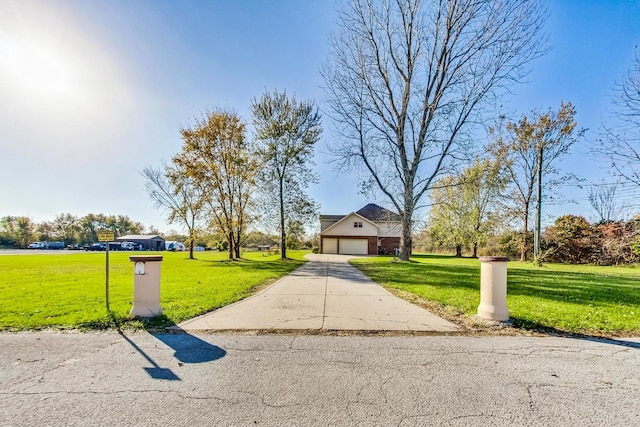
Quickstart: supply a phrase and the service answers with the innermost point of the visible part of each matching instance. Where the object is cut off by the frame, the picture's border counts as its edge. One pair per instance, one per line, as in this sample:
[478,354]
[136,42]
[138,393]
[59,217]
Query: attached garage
[329,246]
[370,231]
[353,246]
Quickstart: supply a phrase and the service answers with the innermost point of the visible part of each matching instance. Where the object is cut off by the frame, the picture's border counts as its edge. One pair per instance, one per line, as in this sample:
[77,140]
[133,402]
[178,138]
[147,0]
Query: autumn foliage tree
[16,230]
[573,240]
[529,149]
[217,156]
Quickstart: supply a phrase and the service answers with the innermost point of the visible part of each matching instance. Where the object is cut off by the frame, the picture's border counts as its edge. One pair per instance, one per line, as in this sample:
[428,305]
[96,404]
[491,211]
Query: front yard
[570,298]
[68,291]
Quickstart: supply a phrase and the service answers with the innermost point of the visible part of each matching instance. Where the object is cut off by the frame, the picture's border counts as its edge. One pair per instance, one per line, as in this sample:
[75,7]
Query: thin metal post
[538,226]
[107,275]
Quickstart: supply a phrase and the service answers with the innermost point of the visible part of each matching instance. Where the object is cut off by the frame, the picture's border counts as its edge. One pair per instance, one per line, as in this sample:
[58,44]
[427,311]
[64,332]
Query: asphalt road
[59,379]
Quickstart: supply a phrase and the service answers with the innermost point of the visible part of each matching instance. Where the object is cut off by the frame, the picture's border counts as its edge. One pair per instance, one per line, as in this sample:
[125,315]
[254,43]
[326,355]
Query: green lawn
[68,291]
[572,298]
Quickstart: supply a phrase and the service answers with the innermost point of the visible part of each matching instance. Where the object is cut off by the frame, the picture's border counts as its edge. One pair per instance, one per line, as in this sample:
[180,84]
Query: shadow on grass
[580,288]
[566,287]
[280,267]
[437,256]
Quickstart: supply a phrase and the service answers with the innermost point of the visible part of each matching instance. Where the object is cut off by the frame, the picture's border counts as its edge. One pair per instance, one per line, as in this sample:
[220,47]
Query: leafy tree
[153,231]
[295,234]
[90,225]
[44,231]
[8,231]
[122,225]
[216,156]
[259,238]
[17,230]
[410,79]
[174,191]
[571,240]
[286,131]
[66,227]
[447,218]
[529,151]
[25,229]
[464,207]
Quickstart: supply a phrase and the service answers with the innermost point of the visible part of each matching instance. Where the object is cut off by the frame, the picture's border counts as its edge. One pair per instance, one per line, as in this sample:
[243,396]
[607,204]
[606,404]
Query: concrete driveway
[325,293]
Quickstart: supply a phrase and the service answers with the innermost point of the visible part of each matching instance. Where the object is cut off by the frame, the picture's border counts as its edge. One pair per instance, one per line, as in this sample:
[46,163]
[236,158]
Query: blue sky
[93,91]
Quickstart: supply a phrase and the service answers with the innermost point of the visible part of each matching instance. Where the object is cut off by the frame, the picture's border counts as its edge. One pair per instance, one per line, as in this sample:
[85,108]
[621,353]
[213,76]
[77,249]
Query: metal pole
[536,234]
[107,275]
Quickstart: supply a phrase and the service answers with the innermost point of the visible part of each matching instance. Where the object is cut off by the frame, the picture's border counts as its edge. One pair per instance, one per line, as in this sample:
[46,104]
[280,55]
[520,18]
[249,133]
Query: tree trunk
[405,241]
[475,249]
[237,245]
[191,243]
[459,251]
[231,245]
[283,239]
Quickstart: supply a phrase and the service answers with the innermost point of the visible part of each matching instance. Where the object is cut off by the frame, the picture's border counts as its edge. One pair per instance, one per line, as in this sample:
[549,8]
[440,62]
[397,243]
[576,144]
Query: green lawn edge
[581,299]
[62,292]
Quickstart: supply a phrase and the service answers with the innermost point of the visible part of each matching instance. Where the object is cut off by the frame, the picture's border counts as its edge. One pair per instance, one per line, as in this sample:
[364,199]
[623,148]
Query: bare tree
[409,79]
[605,203]
[621,143]
[173,191]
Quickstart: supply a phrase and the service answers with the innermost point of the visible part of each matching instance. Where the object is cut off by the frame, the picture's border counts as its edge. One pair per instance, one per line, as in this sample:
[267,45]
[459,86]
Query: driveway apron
[325,293]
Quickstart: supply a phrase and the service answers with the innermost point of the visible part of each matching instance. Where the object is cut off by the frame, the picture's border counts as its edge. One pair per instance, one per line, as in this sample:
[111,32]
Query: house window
[357,224]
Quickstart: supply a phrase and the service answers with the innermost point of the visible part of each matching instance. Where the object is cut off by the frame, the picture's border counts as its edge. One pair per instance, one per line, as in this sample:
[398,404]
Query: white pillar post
[493,288]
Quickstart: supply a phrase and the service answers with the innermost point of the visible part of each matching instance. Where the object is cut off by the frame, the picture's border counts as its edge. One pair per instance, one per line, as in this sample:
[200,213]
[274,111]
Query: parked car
[129,246]
[46,245]
[95,247]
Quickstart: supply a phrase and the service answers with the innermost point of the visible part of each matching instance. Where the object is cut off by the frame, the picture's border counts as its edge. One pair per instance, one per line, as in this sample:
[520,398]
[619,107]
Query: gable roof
[332,217]
[141,237]
[347,216]
[374,213]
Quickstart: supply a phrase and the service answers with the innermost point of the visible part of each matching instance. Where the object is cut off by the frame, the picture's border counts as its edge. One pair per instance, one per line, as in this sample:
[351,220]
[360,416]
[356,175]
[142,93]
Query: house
[371,230]
[146,242]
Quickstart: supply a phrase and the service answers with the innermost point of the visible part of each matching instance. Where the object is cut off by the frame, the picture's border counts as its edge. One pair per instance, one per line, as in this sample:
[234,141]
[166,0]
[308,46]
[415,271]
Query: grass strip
[67,291]
[555,297]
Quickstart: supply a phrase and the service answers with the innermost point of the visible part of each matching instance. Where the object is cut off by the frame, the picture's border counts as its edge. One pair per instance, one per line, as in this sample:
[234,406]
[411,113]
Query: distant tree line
[570,240]
[20,231]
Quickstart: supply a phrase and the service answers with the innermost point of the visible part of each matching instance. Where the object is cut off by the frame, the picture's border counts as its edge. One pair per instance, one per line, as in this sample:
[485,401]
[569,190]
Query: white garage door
[329,246]
[353,246]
